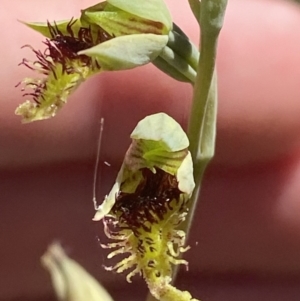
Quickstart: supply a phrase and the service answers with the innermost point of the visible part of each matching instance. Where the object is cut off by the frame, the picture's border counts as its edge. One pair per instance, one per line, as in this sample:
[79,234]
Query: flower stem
[202,123]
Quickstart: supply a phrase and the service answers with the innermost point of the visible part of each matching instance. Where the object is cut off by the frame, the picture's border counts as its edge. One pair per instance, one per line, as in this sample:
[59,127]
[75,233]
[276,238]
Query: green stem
[205,152]
[202,124]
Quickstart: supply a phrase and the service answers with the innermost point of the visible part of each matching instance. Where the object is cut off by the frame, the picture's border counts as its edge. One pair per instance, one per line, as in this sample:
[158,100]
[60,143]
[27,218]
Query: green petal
[127,52]
[154,10]
[185,175]
[110,199]
[62,26]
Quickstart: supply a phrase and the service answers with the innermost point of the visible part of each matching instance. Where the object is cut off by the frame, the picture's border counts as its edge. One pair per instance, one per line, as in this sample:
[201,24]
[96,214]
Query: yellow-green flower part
[148,202]
[61,68]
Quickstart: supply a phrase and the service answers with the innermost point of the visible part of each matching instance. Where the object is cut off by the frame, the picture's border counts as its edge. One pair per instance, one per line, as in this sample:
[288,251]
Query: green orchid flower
[112,35]
[148,202]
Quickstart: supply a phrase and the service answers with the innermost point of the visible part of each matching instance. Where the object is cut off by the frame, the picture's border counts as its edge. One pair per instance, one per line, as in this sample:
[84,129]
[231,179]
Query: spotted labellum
[61,68]
[148,202]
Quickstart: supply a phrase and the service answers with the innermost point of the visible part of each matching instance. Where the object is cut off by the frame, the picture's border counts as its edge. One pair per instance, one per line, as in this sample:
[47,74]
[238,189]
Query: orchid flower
[148,202]
[112,35]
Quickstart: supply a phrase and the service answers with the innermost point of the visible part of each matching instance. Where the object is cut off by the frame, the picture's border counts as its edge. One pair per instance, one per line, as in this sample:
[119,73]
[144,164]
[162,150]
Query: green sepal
[120,23]
[62,26]
[127,52]
[164,129]
[154,10]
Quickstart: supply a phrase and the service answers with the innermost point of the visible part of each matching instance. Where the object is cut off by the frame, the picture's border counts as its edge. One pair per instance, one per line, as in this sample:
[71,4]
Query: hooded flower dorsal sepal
[148,202]
[142,28]
[112,35]
[120,18]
